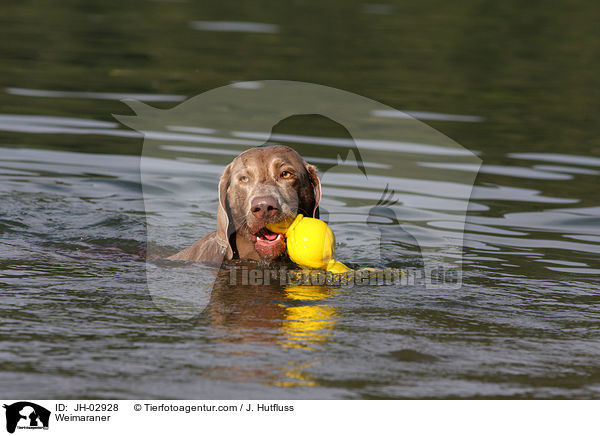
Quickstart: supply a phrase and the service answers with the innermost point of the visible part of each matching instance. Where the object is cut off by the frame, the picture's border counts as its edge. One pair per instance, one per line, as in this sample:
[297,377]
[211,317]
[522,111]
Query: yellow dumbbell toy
[310,243]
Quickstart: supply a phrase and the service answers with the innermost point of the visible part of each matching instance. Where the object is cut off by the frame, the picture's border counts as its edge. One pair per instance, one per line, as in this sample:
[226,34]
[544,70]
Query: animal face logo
[27,415]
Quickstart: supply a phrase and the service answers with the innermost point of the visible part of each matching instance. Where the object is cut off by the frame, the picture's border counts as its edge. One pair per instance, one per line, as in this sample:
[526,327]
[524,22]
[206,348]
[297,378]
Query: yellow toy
[310,243]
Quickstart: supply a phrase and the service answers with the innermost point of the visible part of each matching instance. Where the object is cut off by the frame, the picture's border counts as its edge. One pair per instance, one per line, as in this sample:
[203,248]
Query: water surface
[77,317]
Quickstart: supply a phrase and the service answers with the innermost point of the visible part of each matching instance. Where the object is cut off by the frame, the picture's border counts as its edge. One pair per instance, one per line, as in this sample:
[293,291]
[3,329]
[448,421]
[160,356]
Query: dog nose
[264,207]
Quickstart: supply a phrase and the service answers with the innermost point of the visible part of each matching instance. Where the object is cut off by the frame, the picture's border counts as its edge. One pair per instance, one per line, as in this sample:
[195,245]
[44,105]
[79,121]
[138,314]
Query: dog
[263,185]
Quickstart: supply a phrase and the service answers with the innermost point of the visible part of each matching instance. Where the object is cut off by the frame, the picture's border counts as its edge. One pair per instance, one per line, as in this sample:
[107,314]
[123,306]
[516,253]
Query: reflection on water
[288,316]
[559,158]
[433,116]
[309,324]
[46,93]
[234,26]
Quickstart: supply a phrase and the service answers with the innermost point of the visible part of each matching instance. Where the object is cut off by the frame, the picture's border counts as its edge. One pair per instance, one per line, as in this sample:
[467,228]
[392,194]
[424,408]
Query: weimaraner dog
[262,185]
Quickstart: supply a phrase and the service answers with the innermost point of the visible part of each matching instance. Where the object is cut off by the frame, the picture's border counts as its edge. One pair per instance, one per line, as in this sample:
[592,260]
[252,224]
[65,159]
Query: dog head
[264,185]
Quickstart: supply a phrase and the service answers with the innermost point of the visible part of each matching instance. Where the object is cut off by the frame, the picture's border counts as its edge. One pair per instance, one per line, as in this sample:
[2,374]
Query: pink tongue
[270,235]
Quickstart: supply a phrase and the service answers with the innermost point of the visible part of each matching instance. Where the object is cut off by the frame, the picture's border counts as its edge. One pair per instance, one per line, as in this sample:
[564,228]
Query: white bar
[312,417]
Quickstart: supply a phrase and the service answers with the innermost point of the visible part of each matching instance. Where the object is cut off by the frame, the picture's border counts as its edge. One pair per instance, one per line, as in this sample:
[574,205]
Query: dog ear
[316,185]
[223,216]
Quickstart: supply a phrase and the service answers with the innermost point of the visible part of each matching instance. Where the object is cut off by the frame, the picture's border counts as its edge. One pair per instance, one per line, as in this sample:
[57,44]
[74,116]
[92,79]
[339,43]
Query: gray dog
[262,185]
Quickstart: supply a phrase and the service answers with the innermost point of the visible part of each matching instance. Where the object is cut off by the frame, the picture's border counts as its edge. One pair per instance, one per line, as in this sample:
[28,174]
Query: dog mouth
[267,243]
[265,236]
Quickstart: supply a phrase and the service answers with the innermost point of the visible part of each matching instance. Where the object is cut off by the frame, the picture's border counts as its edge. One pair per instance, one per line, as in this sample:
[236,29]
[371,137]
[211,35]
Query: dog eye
[243,179]
[286,174]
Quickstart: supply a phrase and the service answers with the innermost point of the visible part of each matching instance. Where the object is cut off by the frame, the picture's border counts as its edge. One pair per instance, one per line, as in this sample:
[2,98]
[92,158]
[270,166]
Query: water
[78,320]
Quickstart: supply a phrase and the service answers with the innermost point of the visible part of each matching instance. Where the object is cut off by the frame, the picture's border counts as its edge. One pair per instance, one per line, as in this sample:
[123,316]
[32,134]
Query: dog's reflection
[311,321]
[291,317]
